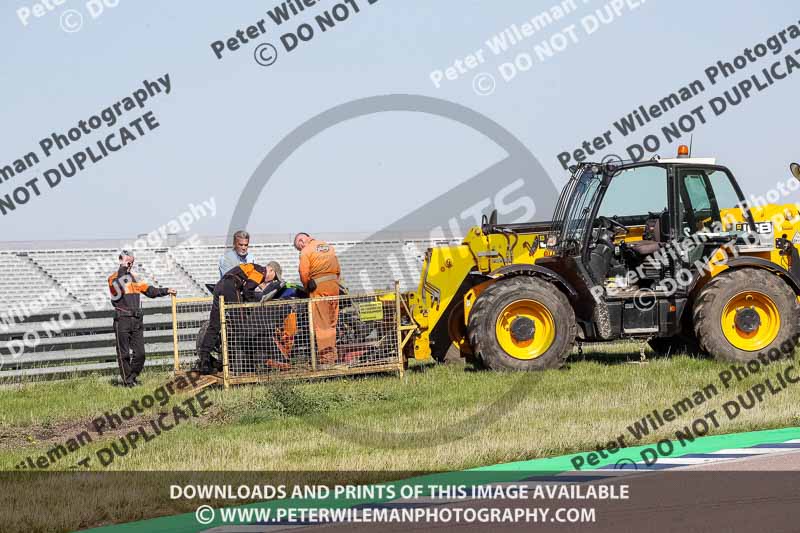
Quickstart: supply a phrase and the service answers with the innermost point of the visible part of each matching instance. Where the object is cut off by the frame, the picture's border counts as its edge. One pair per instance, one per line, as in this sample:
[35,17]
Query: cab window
[704,197]
[636,194]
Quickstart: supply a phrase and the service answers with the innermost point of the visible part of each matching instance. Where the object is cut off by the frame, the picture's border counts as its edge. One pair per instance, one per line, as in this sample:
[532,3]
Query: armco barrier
[85,346]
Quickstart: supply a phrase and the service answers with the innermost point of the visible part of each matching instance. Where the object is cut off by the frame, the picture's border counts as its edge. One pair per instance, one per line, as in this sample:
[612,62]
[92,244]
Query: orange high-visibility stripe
[135,287]
[252,274]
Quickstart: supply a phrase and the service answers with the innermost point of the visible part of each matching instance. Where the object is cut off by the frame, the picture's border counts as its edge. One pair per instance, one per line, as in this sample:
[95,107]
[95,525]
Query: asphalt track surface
[754,493]
[760,493]
[735,482]
[788,461]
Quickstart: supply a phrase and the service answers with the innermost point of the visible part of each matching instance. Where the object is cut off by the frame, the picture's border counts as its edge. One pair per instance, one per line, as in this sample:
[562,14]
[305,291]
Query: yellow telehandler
[668,251]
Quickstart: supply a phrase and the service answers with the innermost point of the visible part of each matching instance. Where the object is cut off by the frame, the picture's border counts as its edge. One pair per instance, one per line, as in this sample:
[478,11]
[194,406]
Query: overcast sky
[223,117]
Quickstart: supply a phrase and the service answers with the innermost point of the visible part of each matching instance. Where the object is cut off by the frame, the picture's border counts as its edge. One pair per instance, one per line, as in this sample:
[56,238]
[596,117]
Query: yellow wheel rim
[765,330]
[527,311]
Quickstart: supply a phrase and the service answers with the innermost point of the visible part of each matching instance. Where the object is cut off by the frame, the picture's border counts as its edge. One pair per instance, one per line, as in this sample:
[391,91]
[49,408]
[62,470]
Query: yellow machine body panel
[785,221]
[446,268]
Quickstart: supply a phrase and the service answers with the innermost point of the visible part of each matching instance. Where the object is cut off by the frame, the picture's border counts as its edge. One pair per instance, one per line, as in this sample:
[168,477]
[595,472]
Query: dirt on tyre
[522,323]
[743,312]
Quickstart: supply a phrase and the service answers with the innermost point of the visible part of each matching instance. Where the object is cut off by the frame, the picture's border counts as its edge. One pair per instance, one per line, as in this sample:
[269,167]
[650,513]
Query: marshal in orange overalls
[318,262]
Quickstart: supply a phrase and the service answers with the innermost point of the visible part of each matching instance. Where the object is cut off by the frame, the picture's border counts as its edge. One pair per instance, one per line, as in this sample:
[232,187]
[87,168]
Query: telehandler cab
[667,251]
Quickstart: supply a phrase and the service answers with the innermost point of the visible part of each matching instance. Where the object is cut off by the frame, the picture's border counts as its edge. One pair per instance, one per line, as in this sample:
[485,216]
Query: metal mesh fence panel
[190,318]
[342,335]
[264,339]
[293,338]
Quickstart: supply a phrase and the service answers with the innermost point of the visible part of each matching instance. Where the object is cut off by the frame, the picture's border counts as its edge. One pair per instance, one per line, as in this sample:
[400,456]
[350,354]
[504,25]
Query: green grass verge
[358,430]
[436,419]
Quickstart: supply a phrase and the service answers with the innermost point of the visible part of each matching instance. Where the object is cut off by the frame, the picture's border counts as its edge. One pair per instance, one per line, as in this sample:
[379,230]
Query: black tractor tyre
[677,345]
[441,340]
[492,302]
[713,297]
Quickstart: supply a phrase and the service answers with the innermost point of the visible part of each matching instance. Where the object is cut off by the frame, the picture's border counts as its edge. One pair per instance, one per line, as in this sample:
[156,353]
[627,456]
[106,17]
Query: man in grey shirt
[238,254]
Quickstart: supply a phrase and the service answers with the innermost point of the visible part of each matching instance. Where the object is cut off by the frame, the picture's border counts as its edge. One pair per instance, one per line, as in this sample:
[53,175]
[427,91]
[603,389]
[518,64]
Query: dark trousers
[225,287]
[130,346]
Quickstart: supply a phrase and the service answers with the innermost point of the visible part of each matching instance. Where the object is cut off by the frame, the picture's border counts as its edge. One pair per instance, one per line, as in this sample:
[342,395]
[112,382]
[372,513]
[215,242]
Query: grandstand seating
[80,273]
[19,274]
[72,278]
[161,269]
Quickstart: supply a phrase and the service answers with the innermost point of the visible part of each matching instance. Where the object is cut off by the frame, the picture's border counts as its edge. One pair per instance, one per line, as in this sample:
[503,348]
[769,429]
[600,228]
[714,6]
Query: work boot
[206,366]
[330,362]
[327,357]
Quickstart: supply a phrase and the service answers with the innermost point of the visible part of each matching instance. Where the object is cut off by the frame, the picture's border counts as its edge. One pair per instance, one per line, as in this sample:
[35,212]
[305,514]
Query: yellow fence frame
[175,333]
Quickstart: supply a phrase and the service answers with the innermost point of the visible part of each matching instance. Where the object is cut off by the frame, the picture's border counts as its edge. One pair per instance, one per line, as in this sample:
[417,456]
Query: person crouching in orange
[319,273]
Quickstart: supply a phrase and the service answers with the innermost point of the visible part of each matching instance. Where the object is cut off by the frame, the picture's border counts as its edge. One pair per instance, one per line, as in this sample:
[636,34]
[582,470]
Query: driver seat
[651,238]
[644,247]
